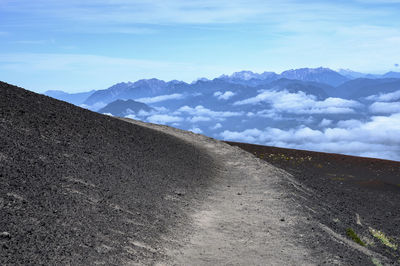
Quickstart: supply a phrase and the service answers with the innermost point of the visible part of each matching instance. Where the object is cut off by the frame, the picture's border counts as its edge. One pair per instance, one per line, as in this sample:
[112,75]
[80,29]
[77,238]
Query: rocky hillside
[77,187]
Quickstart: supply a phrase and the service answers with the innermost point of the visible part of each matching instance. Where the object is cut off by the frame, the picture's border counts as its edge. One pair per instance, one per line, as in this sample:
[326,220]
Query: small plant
[350,233]
[384,239]
[376,262]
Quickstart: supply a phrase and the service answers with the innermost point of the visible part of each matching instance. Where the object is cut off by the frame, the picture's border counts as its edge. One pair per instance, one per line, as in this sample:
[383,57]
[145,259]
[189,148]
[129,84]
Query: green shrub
[350,233]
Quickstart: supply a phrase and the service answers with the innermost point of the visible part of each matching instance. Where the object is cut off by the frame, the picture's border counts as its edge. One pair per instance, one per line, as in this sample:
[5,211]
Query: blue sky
[79,45]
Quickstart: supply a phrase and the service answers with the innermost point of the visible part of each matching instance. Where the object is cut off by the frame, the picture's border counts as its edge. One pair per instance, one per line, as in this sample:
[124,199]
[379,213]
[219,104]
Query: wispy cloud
[30,42]
[379,1]
[262,35]
[192,12]
[138,11]
[46,61]
[74,72]
[117,29]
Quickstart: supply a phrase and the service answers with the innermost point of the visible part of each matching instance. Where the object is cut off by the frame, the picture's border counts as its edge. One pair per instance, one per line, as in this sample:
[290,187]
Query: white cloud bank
[200,110]
[217,126]
[196,130]
[301,103]
[325,122]
[378,137]
[164,119]
[161,98]
[224,96]
[385,97]
[385,108]
[196,119]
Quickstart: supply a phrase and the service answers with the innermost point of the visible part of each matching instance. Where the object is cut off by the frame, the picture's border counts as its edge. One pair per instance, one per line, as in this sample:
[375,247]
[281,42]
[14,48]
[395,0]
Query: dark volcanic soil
[348,192]
[80,188]
[77,187]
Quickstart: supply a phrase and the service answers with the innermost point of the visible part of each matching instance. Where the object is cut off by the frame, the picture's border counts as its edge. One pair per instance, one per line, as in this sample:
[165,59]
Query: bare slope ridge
[77,187]
[81,188]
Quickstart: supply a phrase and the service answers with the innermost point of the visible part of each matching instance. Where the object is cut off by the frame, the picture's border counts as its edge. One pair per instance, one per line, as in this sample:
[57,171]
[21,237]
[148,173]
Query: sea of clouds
[369,127]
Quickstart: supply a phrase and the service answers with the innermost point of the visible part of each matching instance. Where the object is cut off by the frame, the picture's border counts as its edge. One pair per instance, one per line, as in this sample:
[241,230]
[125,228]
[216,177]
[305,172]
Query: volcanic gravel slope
[81,188]
[345,192]
[258,214]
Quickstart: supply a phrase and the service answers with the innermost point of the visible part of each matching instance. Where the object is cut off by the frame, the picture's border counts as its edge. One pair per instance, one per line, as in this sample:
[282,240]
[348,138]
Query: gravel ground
[80,188]
[259,214]
[345,192]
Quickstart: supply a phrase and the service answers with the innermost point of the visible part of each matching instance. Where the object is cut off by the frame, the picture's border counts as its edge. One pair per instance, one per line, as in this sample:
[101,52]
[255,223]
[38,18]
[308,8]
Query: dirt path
[248,218]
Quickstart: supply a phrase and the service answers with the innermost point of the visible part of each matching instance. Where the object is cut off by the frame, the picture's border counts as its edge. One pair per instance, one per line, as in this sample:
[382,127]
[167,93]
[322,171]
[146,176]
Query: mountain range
[307,108]
[153,87]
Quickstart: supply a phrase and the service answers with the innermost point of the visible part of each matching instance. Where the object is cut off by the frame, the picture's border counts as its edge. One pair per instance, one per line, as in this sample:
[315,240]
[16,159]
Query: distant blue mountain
[243,80]
[123,108]
[74,98]
[133,90]
[362,88]
[391,74]
[350,74]
[249,78]
[320,75]
[320,82]
[355,75]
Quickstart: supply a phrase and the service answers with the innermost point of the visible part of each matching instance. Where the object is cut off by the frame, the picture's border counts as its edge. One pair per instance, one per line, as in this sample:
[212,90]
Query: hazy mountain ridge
[153,87]
[306,110]
[74,98]
[354,75]
[123,108]
[363,87]
[321,75]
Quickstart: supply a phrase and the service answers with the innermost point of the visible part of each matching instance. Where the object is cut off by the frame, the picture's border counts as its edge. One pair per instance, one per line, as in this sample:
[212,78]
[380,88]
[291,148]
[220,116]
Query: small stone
[239,193]
[282,219]
[179,193]
[5,235]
